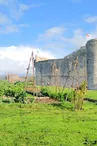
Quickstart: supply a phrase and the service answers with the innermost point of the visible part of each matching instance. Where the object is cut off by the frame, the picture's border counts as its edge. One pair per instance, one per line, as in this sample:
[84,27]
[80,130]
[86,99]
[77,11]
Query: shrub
[78,95]
[10,92]
[29,99]
[1,91]
[44,91]
[69,95]
[17,92]
[8,100]
[53,93]
[3,86]
[20,97]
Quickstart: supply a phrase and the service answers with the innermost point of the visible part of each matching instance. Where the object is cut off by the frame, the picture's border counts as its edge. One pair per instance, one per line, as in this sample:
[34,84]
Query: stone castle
[86,70]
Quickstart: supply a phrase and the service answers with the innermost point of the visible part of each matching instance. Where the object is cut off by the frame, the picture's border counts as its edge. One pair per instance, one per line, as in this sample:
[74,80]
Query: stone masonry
[86,70]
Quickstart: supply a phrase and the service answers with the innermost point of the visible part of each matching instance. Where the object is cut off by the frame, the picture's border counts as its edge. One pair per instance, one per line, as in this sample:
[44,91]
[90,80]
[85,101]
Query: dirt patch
[32,89]
[46,100]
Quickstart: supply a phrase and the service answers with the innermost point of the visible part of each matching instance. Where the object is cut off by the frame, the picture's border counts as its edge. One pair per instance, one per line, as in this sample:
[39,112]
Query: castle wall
[91,47]
[44,74]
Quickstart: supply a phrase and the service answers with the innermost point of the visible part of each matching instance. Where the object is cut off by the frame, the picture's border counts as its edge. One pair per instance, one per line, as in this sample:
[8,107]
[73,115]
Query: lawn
[91,94]
[47,125]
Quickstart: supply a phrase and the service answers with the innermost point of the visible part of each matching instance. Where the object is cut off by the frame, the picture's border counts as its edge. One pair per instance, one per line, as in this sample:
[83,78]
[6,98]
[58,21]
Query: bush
[53,93]
[8,100]
[29,99]
[10,92]
[1,91]
[3,86]
[13,90]
[78,96]
[69,95]
[20,97]
[44,91]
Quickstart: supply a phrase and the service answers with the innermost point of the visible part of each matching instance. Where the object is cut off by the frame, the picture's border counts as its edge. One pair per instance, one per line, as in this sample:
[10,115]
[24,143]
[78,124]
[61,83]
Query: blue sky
[53,27]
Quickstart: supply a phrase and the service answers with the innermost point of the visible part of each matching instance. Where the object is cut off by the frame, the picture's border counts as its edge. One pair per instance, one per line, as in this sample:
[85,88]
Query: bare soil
[46,100]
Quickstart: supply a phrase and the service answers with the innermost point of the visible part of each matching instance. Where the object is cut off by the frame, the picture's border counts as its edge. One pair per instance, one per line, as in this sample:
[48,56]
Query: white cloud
[22,53]
[80,38]
[19,10]
[55,40]
[52,32]
[15,10]
[4,19]
[24,7]
[15,58]
[51,39]
[9,28]
[6,25]
[91,19]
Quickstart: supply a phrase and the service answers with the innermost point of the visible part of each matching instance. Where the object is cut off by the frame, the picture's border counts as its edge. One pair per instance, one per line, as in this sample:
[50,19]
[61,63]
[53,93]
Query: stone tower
[91,53]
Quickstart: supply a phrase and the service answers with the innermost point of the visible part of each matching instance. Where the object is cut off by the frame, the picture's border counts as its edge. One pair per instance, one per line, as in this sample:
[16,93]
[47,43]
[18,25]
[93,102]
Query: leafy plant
[7,100]
[13,90]
[29,99]
[20,97]
[44,91]
[53,93]
[78,95]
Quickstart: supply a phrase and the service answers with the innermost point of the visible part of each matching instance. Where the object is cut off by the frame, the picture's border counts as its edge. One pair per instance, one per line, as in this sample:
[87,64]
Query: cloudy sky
[53,27]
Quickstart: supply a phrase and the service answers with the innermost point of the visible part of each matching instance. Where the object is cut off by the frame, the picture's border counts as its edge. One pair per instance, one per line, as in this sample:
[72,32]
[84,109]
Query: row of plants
[14,92]
[28,99]
[56,93]
[74,95]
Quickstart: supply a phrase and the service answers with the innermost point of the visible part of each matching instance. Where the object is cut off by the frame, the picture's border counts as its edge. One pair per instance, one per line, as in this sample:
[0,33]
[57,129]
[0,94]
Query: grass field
[91,94]
[48,125]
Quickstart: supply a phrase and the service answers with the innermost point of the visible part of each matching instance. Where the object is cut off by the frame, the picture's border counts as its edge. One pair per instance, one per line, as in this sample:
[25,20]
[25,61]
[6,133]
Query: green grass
[48,125]
[91,94]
